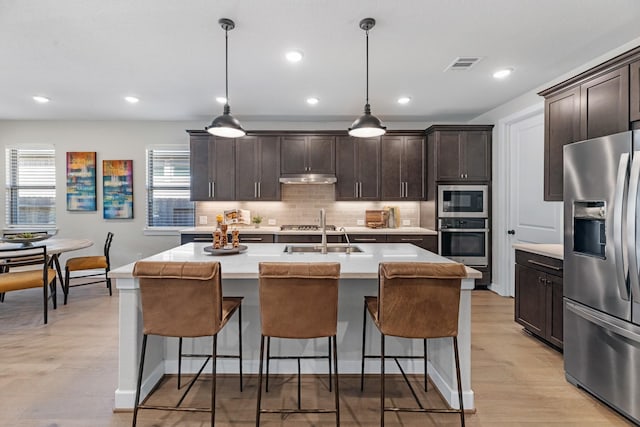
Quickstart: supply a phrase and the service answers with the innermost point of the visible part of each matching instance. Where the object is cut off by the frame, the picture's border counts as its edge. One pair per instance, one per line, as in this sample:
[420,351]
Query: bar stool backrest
[418,299]
[180,299]
[299,300]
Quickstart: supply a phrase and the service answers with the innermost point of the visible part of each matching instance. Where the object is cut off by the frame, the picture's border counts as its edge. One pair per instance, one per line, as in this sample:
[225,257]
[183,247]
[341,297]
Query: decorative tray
[25,240]
[227,250]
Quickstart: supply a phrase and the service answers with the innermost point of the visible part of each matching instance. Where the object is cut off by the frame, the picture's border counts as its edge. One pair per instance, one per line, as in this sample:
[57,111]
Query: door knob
[512,232]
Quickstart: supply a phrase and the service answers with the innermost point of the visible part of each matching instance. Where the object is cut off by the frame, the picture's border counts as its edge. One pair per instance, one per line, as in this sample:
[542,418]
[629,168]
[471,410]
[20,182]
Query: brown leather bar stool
[299,301]
[183,299]
[416,300]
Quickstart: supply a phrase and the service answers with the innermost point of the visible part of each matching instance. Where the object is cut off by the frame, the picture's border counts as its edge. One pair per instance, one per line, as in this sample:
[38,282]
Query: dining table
[55,247]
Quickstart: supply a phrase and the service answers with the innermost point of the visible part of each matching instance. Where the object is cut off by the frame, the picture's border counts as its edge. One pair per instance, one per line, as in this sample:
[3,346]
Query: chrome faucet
[323,225]
[346,236]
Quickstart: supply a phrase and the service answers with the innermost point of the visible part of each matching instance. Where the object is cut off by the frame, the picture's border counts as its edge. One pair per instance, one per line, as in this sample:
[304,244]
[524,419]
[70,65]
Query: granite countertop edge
[350,230]
[551,250]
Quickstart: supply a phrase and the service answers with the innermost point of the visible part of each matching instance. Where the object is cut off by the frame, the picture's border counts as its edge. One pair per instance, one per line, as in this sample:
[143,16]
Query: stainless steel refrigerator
[601,276]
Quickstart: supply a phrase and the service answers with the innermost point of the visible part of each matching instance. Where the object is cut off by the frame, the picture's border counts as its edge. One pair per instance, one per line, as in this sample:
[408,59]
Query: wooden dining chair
[27,268]
[89,264]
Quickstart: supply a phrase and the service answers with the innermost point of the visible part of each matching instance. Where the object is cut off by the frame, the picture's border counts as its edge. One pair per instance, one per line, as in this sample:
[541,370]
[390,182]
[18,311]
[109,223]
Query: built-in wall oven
[465,240]
[463,201]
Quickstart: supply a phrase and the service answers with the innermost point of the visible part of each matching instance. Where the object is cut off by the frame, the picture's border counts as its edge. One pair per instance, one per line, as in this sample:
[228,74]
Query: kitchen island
[358,277]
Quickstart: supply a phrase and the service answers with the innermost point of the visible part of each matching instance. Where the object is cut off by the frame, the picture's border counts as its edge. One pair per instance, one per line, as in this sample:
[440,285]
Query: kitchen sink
[318,249]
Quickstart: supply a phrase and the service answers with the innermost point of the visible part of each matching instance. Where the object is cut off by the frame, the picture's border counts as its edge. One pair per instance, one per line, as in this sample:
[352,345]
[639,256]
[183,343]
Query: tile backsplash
[301,204]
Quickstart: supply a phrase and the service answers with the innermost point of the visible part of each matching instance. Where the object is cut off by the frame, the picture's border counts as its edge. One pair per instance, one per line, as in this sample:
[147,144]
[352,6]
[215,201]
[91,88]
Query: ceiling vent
[463,63]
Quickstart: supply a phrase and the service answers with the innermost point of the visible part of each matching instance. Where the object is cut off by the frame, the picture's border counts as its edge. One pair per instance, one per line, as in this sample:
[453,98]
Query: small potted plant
[257,220]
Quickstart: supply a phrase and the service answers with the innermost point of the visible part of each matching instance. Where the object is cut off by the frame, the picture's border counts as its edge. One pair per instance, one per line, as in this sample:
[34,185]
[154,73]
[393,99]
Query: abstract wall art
[117,189]
[81,181]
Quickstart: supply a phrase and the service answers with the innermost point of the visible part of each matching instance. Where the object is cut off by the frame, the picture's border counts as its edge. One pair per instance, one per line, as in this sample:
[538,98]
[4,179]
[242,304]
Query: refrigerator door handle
[632,210]
[603,323]
[619,247]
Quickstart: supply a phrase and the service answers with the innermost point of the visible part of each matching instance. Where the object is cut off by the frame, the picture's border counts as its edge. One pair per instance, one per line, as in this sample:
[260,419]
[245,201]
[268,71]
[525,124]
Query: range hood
[309,178]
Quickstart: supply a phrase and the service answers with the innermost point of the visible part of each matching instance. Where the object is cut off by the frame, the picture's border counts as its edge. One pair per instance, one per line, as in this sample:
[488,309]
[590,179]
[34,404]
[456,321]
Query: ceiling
[86,55]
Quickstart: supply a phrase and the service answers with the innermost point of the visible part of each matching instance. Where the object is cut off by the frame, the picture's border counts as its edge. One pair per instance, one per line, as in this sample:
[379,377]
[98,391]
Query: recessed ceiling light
[221,99]
[501,74]
[404,100]
[132,99]
[294,56]
[41,99]
[312,100]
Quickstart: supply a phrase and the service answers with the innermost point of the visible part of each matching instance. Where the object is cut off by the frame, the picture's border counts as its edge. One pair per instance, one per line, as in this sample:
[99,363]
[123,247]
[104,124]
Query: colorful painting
[117,189]
[81,181]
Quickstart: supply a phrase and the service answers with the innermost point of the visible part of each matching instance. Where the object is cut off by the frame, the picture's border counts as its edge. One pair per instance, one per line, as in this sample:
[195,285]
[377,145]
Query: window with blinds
[168,188]
[30,186]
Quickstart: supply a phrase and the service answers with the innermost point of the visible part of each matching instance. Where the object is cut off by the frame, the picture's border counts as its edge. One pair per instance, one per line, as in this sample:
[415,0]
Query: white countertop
[363,265]
[350,230]
[552,250]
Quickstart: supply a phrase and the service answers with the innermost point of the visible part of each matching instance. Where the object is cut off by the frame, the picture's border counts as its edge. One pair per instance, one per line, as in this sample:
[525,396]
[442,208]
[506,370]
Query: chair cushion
[24,279]
[86,263]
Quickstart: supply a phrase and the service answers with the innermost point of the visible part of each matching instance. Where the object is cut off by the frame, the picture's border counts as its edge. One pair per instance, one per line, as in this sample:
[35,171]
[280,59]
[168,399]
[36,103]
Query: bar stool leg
[337,392]
[455,351]
[381,380]
[425,364]
[364,330]
[267,375]
[299,393]
[260,380]
[329,359]
[214,357]
[138,386]
[240,342]
[179,360]
[65,289]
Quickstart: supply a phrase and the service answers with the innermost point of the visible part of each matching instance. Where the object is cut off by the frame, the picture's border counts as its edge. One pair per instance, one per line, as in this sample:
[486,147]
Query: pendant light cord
[226,65]
[367,38]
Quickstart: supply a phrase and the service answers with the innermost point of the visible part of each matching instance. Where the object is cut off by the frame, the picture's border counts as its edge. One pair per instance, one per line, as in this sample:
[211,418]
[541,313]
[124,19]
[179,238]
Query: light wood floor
[64,375]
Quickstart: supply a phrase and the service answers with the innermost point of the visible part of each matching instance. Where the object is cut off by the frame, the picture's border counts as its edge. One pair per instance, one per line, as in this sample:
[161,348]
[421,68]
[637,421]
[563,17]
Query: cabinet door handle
[355,189]
[210,196]
[548,282]
[540,279]
[213,189]
[542,264]
[259,190]
[360,190]
[255,190]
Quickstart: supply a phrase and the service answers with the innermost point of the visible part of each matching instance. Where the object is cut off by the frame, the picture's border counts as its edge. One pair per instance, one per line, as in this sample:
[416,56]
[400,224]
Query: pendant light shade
[367,125]
[226,125]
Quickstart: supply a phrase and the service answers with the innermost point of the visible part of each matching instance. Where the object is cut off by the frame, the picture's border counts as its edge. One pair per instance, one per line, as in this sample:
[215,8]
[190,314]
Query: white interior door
[531,218]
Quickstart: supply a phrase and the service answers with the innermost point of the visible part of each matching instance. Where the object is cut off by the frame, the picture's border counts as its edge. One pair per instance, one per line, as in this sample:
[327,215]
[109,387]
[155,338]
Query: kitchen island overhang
[358,277]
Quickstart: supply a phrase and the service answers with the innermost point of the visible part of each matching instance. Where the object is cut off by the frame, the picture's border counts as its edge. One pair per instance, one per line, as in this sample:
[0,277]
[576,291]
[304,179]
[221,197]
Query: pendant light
[226,125]
[367,125]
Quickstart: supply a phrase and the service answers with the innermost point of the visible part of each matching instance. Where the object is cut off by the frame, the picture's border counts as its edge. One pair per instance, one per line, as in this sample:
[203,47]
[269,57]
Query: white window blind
[168,188]
[30,186]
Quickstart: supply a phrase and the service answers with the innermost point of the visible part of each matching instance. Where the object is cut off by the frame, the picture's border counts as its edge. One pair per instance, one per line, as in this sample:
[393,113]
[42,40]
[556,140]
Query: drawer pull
[251,239]
[203,239]
[542,264]
[411,240]
[360,239]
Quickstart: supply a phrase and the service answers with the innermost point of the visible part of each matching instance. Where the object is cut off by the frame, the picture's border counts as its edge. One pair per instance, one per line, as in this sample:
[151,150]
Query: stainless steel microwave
[463,201]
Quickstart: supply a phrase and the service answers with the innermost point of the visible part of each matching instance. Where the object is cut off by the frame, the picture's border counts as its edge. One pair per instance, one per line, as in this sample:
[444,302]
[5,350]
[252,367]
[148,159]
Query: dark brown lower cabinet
[307,238]
[539,296]
[429,243]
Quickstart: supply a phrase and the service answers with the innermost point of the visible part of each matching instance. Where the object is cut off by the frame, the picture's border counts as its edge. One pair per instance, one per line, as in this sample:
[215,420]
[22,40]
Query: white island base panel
[162,353]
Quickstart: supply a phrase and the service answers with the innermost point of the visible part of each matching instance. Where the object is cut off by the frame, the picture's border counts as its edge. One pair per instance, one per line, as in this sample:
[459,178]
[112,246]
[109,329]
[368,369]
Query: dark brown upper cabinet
[561,127]
[460,153]
[634,91]
[258,168]
[212,167]
[402,167]
[306,154]
[600,101]
[604,104]
[357,168]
